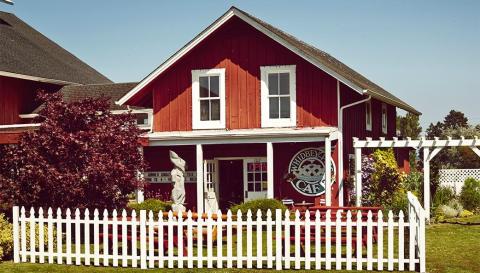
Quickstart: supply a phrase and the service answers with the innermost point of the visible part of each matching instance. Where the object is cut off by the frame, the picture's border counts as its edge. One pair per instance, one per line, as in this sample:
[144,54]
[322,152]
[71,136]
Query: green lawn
[450,249]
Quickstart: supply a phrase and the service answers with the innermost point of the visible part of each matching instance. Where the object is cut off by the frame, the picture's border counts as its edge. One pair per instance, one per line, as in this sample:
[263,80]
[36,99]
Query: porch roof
[260,135]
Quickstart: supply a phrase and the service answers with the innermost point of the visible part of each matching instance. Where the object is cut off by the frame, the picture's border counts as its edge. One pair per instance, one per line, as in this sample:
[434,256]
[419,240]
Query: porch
[231,167]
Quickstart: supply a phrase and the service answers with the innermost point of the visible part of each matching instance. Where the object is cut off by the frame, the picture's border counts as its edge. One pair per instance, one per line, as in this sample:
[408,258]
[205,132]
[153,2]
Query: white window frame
[384,118]
[368,115]
[265,107]
[207,124]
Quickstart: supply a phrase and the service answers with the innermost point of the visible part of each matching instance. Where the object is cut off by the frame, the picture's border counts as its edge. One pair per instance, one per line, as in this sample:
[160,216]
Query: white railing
[341,240]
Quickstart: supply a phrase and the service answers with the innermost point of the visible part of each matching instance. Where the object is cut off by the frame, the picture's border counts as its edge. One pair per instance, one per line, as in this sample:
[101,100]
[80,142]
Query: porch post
[340,169]
[270,190]
[358,176]
[426,181]
[200,199]
[328,172]
[139,196]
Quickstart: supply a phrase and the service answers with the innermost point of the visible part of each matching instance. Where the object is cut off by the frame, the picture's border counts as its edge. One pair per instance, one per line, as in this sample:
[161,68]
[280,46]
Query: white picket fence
[344,240]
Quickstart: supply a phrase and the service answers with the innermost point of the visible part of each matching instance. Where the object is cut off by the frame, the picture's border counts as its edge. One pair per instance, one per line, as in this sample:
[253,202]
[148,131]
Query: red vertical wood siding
[17,97]
[241,50]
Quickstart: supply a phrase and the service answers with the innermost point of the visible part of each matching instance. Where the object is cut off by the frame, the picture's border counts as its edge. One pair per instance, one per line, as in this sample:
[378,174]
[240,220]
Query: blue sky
[425,52]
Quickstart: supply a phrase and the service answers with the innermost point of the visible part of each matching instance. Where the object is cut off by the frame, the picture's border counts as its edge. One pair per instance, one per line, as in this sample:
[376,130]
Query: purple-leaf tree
[82,156]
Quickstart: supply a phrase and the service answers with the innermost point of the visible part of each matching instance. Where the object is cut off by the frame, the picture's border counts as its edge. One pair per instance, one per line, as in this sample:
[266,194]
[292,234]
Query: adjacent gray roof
[113,91]
[332,63]
[25,51]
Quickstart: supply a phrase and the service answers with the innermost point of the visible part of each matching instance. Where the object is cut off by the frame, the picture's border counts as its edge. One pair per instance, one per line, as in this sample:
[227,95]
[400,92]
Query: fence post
[16,239]
[143,239]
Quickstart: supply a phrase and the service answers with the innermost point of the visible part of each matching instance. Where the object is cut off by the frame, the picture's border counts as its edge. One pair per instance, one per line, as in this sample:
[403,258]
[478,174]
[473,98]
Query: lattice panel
[455,178]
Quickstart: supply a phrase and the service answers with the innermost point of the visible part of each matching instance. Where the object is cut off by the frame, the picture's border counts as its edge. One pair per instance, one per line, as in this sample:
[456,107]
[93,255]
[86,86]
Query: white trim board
[35,79]
[214,26]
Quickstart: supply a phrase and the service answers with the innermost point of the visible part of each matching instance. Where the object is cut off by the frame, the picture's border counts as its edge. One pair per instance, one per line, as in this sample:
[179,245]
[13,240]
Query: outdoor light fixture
[10,2]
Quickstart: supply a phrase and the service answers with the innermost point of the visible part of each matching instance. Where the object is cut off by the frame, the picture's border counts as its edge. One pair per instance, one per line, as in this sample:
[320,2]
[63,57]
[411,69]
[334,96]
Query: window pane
[284,83]
[250,177]
[285,107]
[203,87]
[273,107]
[258,177]
[142,118]
[250,187]
[215,109]
[214,87]
[273,84]
[204,110]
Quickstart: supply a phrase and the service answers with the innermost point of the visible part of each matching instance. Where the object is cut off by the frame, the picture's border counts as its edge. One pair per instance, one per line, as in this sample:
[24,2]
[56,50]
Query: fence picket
[160,239]
[359,240]
[23,236]
[59,237]
[278,239]
[369,240]
[68,236]
[151,240]
[41,237]
[31,225]
[411,241]
[249,239]
[298,236]
[401,244]
[229,240]
[134,239]
[190,239]
[180,242]
[200,241]
[287,240]
[16,234]
[171,238]
[338,241]
[239,239]
[87,236]
[349,244]
[96,238]
[390,241]
[143,239]
[115,238]
[124,239]
[380,241]
[209,242]
[78,244]
[105,237]
[50,235]
[318,241]
[269,239]
[219,226]
[328,240]
[307,240]
[259,232]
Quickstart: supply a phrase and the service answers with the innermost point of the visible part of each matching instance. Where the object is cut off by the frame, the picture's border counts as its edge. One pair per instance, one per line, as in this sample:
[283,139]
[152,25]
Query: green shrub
[155,205]
[413,182]
[399,202]
[445,212]
[386,179]
[443,196]
[470,195]
[6,238]
[260,204]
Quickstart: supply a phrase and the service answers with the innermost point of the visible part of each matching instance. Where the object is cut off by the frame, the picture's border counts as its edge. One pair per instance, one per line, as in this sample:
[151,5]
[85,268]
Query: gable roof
[317,57]
[113,91]
[26,52]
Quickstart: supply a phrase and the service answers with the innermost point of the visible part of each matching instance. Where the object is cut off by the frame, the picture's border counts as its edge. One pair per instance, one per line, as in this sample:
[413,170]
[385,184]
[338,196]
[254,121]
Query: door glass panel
[256,176]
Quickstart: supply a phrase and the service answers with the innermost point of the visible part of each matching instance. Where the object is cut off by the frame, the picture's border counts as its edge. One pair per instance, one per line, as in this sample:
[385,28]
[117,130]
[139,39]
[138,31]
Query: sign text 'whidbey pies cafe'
[308,168]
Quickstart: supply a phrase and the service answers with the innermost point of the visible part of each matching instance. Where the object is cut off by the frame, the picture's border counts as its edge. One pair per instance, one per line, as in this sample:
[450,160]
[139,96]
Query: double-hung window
[208,99]
[384,118]
[368,115]
[278,96]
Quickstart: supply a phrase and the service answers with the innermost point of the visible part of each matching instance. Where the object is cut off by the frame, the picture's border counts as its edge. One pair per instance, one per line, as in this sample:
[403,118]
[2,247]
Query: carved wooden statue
[178,179]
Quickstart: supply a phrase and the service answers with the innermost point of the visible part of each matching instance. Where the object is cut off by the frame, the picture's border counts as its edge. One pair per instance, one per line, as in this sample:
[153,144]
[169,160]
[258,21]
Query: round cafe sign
[308,169]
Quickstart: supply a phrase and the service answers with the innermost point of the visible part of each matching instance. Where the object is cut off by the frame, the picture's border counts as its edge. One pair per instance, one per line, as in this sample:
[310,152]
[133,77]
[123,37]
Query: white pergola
[430,149]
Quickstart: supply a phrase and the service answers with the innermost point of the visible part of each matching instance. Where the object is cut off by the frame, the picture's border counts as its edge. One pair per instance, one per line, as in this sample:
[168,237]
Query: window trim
[265,106]
[207,124]
[368,115]
[384,118]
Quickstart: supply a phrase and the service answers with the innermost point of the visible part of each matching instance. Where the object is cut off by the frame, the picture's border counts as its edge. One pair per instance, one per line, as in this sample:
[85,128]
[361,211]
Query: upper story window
[384,118]
[208,99]
[368,115]
[278,96]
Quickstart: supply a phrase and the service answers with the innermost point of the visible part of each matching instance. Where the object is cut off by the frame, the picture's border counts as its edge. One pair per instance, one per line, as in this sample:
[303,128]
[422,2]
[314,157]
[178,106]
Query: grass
[450,249]
[473,220]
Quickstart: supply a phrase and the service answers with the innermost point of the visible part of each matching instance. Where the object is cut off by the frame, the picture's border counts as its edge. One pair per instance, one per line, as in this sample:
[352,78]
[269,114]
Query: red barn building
[257,113]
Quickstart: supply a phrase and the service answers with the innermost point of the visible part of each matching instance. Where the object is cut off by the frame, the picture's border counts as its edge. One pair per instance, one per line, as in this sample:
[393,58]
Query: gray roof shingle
[23,50]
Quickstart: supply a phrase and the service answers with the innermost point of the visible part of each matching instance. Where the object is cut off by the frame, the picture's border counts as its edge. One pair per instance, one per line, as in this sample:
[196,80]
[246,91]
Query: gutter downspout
[340,140]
